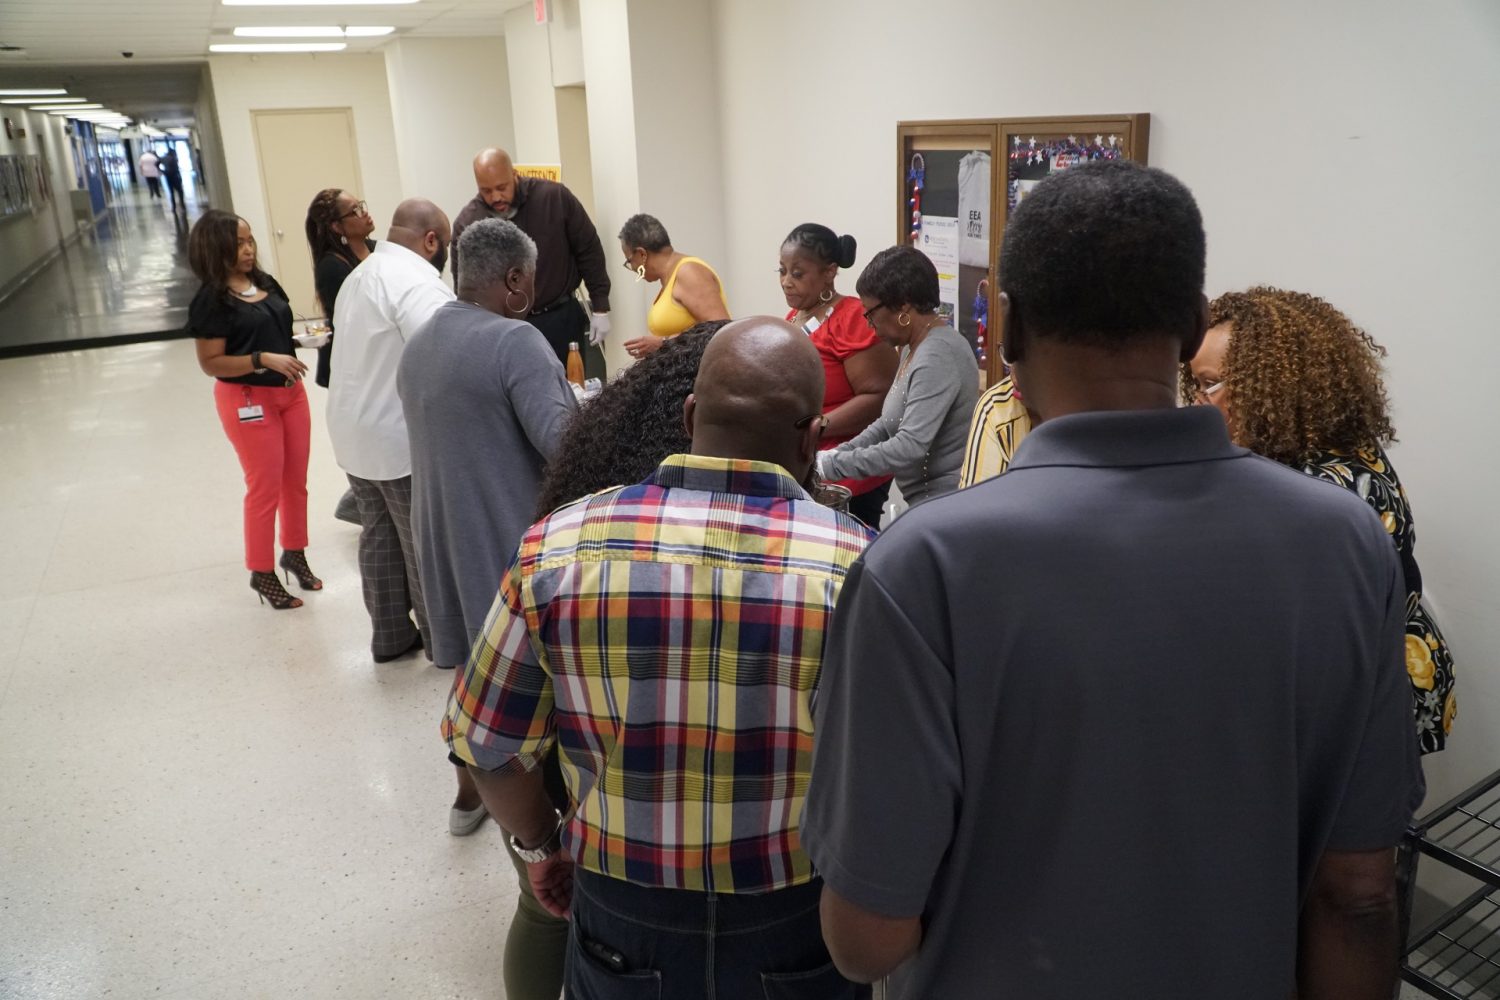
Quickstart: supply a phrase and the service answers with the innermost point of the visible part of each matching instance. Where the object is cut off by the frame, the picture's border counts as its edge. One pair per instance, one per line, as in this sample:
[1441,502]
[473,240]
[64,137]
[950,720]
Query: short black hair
[645,231]
[901,276]
[1106,252]
[621,435]
[826,246]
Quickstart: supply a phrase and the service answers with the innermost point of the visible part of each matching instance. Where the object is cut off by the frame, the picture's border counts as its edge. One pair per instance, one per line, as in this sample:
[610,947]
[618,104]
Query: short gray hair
[488,250]
[644,231]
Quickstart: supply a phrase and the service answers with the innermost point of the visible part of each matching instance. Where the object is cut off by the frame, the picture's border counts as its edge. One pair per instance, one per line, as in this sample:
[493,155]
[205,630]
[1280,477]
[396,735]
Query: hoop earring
[521,312]
[826,295]
[904,319]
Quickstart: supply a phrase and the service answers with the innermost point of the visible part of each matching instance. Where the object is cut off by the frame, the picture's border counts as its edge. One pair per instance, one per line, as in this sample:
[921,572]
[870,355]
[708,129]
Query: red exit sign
[543,10]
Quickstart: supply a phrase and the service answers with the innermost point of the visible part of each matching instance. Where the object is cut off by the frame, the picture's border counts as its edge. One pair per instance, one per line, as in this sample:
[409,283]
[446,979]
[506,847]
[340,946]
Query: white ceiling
[77,44]
[79,31]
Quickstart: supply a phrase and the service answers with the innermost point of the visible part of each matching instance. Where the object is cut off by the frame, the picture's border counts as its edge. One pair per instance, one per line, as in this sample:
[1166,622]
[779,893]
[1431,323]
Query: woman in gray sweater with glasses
[920,435]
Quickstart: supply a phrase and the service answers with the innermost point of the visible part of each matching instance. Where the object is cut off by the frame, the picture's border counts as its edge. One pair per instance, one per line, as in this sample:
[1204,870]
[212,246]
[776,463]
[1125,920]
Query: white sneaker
[463,822]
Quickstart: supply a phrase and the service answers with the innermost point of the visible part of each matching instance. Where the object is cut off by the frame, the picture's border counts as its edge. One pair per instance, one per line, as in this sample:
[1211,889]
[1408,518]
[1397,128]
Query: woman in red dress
[858,367]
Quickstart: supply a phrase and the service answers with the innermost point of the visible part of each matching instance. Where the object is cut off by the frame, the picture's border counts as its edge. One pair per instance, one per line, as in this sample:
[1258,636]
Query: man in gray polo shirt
[1131,719]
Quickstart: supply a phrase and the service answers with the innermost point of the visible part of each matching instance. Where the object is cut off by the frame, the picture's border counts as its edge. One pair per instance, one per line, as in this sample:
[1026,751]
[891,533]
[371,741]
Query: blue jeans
[635,942]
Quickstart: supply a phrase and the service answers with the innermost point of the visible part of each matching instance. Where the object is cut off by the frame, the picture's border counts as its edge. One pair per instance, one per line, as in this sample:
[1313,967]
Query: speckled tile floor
[201,797]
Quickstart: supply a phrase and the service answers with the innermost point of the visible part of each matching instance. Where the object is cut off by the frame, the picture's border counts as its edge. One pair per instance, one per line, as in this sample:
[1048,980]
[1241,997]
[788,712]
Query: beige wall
[450,98]
[611,110]
[528,50]
[243,84]
[675,79]
[1345,148]
[211,145]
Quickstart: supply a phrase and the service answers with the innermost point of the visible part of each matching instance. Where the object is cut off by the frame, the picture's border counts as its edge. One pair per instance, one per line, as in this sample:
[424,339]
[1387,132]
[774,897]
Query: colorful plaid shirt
[668,636]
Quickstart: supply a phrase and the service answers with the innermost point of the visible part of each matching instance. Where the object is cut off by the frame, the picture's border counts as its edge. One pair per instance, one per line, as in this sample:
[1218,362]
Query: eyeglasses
[1206,393]
[872,311]
[806,421]
[360,208]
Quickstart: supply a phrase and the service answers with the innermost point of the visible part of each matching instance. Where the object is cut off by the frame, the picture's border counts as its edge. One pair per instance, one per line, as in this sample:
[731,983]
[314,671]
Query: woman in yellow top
[690,290]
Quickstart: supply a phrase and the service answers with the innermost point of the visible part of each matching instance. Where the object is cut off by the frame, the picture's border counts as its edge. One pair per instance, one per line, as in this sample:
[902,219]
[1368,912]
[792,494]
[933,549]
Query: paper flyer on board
[939,241]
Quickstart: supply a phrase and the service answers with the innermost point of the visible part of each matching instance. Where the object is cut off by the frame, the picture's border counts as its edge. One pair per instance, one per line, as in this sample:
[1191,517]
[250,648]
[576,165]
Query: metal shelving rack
[1457,956]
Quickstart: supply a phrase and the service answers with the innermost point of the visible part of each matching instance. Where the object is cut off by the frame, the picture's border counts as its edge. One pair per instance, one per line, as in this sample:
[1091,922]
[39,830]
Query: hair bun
[847,250]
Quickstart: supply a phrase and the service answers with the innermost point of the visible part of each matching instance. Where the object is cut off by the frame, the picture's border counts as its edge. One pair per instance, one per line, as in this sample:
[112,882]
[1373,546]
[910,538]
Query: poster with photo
[1033,158]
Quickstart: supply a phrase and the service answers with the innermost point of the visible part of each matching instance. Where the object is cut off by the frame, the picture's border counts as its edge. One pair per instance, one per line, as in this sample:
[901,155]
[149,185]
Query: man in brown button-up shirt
[567,251]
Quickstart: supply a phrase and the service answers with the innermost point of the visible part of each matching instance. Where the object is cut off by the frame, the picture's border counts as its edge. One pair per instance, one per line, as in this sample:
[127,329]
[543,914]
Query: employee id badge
[252,414]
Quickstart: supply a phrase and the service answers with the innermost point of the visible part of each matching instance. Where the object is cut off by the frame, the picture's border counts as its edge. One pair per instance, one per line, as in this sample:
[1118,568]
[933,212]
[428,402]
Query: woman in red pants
[243,325]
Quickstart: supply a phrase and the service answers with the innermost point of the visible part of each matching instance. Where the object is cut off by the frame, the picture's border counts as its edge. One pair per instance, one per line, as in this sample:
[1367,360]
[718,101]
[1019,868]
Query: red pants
[273,453]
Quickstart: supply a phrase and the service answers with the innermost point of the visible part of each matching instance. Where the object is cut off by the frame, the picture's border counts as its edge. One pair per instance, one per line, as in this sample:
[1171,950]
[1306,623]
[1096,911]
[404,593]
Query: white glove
[598,328]
[824,457]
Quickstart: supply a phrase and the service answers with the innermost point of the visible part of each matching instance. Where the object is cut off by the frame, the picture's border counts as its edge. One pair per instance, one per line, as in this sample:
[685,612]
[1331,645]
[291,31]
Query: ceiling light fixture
[327,31]
[70,109]
[44,100]
[32,93]
[280,47]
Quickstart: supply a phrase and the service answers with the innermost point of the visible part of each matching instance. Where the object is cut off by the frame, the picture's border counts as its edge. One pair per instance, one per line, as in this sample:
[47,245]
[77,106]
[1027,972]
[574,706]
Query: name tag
[252,414]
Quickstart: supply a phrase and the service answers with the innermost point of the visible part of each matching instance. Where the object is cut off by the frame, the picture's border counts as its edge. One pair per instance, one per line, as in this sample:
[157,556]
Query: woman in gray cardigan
[920,435]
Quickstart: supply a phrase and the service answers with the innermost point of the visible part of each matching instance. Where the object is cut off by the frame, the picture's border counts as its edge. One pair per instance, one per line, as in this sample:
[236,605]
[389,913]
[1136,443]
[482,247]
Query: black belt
[549,307]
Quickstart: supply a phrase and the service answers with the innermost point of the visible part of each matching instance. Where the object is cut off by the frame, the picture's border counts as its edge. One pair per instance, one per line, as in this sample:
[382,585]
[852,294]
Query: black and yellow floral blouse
[1429,663]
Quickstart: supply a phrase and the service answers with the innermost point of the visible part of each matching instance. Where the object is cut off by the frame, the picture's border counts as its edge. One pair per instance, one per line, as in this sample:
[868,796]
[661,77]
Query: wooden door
[301,153]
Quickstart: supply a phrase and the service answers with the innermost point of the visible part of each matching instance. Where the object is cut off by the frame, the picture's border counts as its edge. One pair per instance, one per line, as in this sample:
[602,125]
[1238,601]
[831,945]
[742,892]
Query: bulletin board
[959,180]
[24,186]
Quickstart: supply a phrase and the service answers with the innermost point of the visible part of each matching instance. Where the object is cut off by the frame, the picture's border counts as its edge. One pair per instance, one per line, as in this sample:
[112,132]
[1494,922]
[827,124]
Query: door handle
[279,234]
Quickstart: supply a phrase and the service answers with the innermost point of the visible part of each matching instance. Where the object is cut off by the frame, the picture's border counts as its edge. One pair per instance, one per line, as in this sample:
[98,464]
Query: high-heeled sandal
[294,561]
[268,587]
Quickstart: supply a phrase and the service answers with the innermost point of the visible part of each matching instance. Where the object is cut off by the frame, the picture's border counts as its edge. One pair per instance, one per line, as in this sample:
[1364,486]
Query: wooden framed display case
[953,199]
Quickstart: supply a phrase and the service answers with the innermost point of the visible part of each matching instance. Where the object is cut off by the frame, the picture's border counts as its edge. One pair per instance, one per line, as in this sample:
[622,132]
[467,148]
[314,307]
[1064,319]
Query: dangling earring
[640,273]
[520,312]
[826,295]
[344,240]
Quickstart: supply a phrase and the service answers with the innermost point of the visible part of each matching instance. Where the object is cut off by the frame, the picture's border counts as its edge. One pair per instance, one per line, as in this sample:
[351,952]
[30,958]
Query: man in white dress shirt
[382,303]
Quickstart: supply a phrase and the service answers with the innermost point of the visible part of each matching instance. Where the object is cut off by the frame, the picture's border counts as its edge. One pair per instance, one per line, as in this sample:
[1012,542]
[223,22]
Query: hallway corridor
[127,280]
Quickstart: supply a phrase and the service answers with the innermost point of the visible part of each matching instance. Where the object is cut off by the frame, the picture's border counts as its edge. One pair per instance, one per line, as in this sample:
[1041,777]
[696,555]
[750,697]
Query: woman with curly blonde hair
[1298,382]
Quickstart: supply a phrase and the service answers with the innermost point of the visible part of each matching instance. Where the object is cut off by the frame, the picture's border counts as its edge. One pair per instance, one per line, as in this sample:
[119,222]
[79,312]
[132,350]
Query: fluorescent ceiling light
[326,31]
[44,100]
[315,3]
[280,47]
[32,93]
[71,109]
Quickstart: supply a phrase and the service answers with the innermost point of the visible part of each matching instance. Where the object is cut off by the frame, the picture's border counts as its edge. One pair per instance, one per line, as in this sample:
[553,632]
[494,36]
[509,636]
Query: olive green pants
[536,945]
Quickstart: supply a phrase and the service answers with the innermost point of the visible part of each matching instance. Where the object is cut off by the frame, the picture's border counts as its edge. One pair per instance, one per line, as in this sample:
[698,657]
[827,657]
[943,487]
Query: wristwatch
[256,368]
[544,850]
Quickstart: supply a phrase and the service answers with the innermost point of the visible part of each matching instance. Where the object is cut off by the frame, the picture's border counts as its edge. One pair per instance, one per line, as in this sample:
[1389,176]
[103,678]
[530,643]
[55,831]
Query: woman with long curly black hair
[624,433]
[1298,382]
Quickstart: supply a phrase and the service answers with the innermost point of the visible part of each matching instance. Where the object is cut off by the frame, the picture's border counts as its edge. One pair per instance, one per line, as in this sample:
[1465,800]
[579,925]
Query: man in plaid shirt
[667,637]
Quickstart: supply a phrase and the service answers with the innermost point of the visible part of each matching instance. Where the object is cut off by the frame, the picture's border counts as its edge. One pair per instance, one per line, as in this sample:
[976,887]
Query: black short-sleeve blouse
[245,326]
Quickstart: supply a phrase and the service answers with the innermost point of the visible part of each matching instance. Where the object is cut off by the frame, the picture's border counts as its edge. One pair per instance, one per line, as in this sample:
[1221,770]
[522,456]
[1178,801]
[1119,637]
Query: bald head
[759,377]
[422,228]
[495,176]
